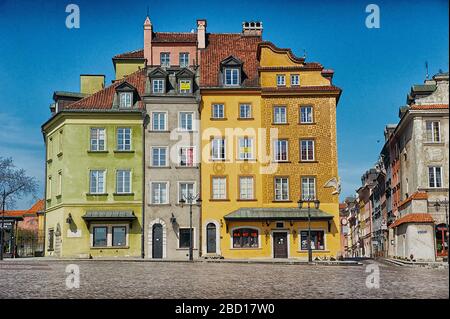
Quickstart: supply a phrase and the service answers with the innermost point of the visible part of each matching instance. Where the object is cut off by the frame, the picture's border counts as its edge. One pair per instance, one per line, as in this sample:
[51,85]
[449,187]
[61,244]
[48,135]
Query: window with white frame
[306,114]
[49,187]
[184,59]
[281,188]
[97,181]
[165,59]
[281,150]
[97,139]
[246,187]
[159,193]
[308,188]
[245,148]
[433,129]
[59,183]
[279,115]
[158,85]
[124,139]
[281,80]
[219,188]
[187,156]
[307,150]
[245,111]
[186,121]
[231,76]
[435,176]
[218,111]
[186,190]
[218,148]
[159,156]
[123,181]
[185,86]
[159,121]
[295,79]
[125,99]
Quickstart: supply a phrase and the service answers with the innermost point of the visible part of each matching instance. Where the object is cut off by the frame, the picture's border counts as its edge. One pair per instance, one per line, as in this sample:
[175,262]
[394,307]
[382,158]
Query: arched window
[245,238]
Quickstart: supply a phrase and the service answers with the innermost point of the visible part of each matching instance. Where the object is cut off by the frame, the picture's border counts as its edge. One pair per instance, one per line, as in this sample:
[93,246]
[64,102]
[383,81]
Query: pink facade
[174,54]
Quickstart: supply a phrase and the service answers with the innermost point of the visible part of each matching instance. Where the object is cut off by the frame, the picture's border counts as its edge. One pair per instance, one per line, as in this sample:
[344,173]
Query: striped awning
[109,215]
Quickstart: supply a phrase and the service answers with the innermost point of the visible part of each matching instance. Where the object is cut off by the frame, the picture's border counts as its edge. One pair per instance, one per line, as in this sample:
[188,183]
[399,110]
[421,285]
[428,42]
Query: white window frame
[281,80]
[306,194]
[123,181]
[123,147]
[194,161]
[277,148]
[308,159]
[222,145]
[295,79]
[246,195]
[97,139]
[284,182]
[311,112]
[213,194]
[59,190]
[248,111]
[194,188]
[217,106]
[166,149]
[181,57]
[97,190]
[125,100]
[246,155]
[158,86]
[165,113]
[432,132]
[277,114]
[180,121]
[49,187]
[435,169]
[164,63]
[152,184]
[184,91]
[233,71]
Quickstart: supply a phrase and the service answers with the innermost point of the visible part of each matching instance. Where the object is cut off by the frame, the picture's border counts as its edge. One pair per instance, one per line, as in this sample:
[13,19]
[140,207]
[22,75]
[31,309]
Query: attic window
[232,76]
[125,99]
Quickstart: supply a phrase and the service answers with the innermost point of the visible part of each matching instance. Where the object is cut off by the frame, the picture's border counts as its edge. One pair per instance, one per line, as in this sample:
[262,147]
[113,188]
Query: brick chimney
[148,40]
[201,33]
[252,28]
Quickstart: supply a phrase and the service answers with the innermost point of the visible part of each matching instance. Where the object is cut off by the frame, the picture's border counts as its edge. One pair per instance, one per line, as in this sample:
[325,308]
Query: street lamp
[438,205]
[309,200]
[190,199]
[2,234]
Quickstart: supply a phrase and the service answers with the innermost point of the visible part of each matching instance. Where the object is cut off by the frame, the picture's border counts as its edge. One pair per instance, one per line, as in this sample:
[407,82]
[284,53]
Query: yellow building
[268,139]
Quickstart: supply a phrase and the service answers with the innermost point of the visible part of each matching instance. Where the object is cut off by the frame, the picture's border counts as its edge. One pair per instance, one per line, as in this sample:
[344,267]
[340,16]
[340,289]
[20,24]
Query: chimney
[252,28]
[201,33]
[148,40]
[91,83]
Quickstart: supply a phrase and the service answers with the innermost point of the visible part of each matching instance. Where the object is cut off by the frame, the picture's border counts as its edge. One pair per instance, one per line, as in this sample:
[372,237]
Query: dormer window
[165,59]
[158,85]
[125,99]
[185,86]
[232,76]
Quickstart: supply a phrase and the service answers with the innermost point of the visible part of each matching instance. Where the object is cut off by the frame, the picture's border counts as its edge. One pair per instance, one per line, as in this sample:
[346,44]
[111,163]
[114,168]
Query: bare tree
[14,184]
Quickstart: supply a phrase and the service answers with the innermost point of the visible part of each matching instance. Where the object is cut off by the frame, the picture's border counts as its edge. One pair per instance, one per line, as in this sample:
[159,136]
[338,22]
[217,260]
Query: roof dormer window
[158,85]
[231,70]
[232,76]
[126,99]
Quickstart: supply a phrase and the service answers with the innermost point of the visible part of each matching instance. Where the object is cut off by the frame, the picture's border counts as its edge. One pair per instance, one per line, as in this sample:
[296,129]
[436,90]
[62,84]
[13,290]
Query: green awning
[109,215]
[277,214]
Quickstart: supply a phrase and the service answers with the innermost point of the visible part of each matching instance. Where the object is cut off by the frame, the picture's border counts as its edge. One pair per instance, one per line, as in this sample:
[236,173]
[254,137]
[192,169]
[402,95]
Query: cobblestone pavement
[122,279]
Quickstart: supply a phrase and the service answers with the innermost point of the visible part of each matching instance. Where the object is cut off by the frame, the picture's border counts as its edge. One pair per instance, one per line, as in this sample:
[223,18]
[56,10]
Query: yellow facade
[90,83]
[264,171]
[127,67]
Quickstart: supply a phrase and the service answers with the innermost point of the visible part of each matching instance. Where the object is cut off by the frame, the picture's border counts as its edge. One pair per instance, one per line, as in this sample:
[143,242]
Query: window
[306,114]
[245,111]
[125,99]
[245,238]
[185,190]
[184,59]
[245,148]
[51,239]
[49,187]
[60,143]
[97,182]
[100,236]
[433,129]
[219,188]
[97,139]
[123,181]
[187,156]
[281,80]
[279,115]
[281,188]
[185,237]
[158,86]
[295,80]
[281,150]
[186,121]
[317,240]
[231,76]
[308,188]
[50,148]
[218,149]
[185,86]
[119,236]
[246,187]
[124,139]
[159,120]
[159,156]
[307,150]
[165,59]
[218,111]
[159,193]
[435,176]
[59,183]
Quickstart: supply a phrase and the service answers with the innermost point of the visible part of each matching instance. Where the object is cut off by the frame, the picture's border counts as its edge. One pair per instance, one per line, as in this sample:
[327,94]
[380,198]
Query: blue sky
[374,67]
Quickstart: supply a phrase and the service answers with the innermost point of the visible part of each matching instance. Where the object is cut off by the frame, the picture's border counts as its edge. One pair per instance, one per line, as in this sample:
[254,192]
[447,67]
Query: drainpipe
[143,184]
[45,193]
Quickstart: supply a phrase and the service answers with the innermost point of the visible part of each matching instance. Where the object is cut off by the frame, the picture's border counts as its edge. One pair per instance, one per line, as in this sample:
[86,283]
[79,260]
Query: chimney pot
[201,33]
[252,28]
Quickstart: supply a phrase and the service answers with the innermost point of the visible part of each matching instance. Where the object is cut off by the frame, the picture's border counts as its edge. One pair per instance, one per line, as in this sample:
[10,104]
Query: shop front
[8,227]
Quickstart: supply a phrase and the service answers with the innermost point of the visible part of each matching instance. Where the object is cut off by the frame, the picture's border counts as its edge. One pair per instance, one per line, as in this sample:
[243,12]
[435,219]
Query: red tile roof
[429,107]
[177,37]
[37,207]
[222,45]
[415,196]
[14,213]
[104,99]
[413,218]
[136,54]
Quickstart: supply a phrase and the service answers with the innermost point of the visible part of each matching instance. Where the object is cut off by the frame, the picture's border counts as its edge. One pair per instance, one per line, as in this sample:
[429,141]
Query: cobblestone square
[133,279]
